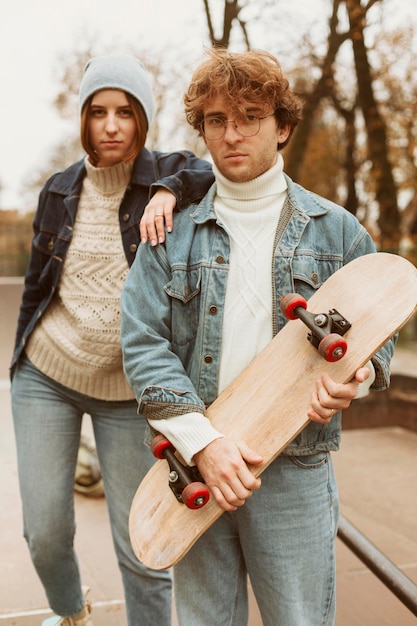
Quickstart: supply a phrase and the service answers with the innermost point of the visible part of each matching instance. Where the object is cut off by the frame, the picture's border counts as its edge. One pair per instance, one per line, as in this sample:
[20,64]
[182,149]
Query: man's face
[237,157]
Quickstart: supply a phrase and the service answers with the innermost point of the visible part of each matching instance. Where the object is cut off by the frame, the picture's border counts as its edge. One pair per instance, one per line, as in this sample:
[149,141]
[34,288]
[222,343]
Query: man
[209,302]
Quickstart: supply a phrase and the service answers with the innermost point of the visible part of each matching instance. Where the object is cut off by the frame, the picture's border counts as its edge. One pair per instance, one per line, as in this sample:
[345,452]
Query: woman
[67,358]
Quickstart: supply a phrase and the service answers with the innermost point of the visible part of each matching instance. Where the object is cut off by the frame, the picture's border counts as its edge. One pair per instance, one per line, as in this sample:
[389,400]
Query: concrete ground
[376,470]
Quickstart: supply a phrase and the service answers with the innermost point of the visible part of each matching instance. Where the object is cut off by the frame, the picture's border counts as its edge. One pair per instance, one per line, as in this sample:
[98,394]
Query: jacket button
[314,277]
[213,310]
[125,217]
[220,259]
[208,358]
[133,247]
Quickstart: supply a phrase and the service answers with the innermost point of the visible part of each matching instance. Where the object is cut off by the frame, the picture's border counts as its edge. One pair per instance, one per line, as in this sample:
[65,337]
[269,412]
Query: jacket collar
[305,202]
[69,181]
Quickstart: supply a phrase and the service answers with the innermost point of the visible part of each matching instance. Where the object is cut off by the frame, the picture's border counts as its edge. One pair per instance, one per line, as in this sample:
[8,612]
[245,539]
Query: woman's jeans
[47,419]
[283,537]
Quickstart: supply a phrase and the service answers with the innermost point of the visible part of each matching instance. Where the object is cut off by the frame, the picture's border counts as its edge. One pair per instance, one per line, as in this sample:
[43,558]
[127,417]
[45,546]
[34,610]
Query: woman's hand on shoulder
[157,216]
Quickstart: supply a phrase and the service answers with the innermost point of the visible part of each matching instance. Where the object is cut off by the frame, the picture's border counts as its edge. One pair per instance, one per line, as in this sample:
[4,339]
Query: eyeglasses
[214,128]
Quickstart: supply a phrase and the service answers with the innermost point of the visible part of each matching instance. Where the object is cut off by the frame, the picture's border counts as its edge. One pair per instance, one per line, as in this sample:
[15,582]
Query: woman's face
[112,126]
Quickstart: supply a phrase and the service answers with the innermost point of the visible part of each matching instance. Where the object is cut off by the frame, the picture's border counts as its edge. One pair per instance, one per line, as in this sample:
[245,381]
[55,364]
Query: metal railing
[392,577]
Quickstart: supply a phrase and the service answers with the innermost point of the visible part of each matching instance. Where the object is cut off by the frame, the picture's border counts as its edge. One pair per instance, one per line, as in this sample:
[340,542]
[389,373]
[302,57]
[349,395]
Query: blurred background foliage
[356,145]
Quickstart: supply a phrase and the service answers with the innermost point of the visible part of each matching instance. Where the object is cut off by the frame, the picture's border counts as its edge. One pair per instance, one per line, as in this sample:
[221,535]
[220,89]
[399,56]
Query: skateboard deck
[266,405]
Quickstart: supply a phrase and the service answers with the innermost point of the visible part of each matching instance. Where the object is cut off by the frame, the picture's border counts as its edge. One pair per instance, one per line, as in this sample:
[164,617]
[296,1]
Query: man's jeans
[284,537]
[47,419]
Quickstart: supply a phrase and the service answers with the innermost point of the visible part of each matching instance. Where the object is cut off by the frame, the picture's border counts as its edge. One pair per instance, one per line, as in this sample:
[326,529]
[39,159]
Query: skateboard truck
[185,482]
[327,329]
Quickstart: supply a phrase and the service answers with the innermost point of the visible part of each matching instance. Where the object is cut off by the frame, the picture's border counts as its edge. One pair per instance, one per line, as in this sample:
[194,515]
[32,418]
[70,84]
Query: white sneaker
[79,619]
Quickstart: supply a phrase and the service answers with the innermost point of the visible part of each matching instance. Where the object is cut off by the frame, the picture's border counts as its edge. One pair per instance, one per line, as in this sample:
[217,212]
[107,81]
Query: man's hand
[223,466]
[330,397]
[157,215]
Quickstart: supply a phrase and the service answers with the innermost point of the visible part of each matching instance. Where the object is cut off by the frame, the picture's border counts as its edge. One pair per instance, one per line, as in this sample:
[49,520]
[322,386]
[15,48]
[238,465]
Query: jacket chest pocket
[53,241]
[309,273]
[44,242]
[52,247]
[184,290]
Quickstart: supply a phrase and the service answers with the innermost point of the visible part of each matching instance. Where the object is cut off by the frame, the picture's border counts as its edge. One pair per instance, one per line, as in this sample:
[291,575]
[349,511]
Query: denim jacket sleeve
[146,339]
[51,234]
[192,179]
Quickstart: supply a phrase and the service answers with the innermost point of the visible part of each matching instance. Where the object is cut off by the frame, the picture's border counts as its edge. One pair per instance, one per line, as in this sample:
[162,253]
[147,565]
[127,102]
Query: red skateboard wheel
[333,347]
[158,444]
[195,495]
[291,302]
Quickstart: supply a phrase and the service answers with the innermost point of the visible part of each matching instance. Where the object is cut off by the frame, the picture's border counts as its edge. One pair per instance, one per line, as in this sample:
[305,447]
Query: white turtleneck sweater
[249,212]
[77,341]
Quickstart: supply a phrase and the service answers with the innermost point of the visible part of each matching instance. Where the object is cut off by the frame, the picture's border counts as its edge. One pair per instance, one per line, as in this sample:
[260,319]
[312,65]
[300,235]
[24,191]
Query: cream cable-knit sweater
[249,212]
[77,342]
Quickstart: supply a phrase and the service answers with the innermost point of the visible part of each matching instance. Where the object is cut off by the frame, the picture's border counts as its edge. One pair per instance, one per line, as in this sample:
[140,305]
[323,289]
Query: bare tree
[327,152]
[232,9]
[323,88]
[385,188]
[365,101]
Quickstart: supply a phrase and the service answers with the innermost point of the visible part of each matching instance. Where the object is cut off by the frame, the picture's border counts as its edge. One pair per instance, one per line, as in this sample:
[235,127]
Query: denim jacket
[171,322]
[181,172]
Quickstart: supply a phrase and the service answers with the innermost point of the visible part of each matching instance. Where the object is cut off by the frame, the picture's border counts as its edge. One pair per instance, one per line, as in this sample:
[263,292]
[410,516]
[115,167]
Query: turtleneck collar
[109,180]
[270,183]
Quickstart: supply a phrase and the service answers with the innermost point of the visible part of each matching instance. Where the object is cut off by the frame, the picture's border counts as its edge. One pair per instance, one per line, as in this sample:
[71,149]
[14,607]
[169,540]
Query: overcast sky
[35,34]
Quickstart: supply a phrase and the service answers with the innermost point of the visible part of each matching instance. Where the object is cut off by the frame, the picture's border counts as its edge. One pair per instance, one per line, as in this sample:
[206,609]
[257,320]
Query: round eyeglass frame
[226,122]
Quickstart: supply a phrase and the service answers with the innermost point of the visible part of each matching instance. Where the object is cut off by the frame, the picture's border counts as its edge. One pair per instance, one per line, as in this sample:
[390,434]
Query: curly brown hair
[255,76]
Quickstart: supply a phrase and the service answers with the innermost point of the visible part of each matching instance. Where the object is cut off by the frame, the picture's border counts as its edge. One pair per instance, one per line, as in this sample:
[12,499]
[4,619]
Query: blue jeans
[47,420]
[283,537]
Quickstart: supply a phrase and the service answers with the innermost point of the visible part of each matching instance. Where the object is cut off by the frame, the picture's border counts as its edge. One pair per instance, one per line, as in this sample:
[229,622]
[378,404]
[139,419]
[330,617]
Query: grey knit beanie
[118,72]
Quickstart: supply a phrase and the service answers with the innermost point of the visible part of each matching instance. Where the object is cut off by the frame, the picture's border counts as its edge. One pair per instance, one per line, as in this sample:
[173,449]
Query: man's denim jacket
[181,172]
[173,303]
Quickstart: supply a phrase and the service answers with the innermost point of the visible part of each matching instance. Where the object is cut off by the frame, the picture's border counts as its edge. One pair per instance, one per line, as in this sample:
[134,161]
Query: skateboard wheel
[333,347]
[158,444]
[195,495]
[290,302]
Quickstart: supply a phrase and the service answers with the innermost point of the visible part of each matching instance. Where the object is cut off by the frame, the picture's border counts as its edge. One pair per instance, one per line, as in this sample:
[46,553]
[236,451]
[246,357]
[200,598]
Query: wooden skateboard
[361,306]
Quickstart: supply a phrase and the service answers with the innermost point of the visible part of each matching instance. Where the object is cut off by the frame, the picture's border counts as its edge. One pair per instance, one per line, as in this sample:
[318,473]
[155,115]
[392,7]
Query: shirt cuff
[188,433]
[363,388]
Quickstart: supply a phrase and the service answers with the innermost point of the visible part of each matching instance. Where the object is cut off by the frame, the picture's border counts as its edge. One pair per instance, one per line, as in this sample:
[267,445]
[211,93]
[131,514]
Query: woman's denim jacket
[181,172]
[173,303]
